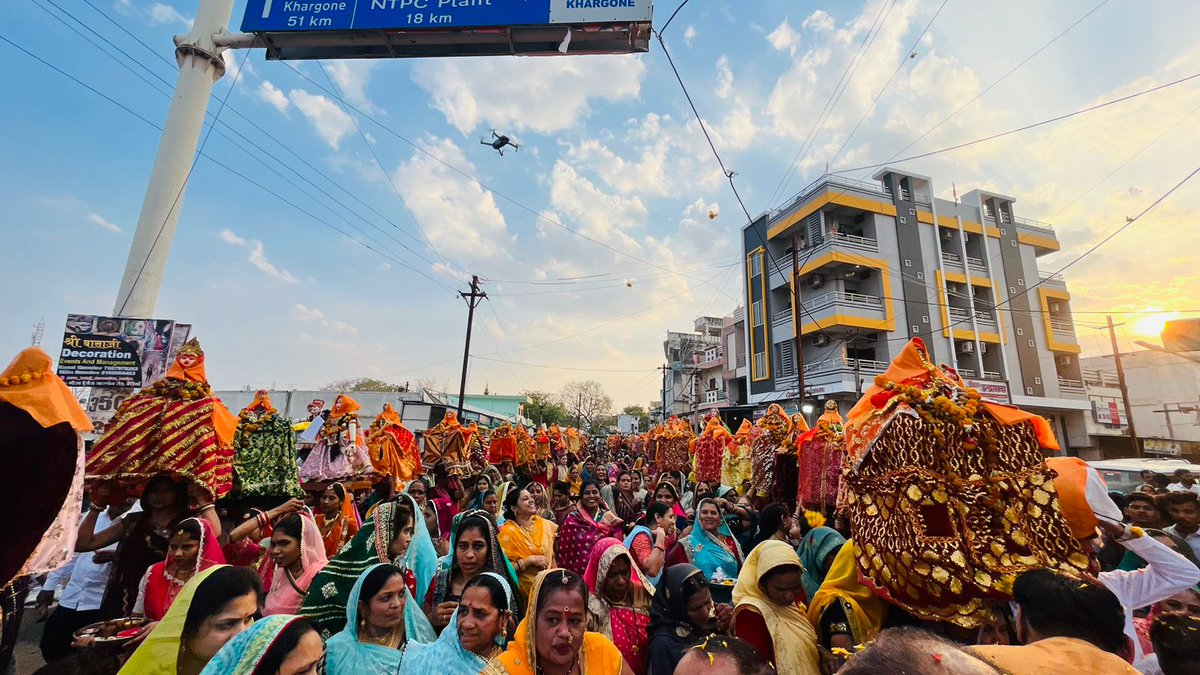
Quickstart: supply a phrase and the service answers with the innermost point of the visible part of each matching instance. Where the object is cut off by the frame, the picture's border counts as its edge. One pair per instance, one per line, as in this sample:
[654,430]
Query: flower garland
[334,427]
[24,378]
[249,422]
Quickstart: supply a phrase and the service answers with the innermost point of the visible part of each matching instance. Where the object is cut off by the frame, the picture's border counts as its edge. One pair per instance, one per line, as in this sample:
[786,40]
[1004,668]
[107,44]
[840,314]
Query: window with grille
[757,308]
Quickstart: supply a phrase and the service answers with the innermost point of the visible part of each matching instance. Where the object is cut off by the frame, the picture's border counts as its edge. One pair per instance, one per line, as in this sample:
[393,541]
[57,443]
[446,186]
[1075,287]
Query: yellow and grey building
[857,268]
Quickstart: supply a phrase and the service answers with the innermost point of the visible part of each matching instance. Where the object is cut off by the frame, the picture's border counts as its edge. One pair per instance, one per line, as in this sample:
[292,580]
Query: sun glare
[1151,325]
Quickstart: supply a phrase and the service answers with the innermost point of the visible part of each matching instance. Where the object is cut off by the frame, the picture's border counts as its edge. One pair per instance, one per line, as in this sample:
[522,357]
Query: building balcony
[839,364]
[1063,329]
[843,298]
[1100,378]
[781,271]
[1035,224]
[714,362]
[1050,280]
[961,316]
[827,181]
[977,265]
[1068,386]
[1039,235]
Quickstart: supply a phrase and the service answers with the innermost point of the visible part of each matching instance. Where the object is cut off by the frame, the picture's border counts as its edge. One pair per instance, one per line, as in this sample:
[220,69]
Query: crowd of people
[597,559]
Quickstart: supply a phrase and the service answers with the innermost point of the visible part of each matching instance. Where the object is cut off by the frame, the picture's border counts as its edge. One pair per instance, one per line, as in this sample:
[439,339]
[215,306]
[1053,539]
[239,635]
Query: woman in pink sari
[619,601]
[586,524]
[193,548]
[297,554]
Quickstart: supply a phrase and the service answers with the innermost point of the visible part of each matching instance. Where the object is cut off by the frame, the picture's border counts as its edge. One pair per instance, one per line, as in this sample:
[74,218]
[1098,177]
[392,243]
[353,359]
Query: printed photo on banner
[104,351]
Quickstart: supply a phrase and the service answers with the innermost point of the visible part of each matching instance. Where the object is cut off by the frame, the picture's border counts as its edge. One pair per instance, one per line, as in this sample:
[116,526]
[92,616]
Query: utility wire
[1003,77]
[904,58]
[1026,127]
[187,177]
[819,122]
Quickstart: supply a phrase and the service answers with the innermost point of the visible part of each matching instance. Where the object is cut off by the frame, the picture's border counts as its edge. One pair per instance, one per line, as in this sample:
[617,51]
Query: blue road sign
[269,16]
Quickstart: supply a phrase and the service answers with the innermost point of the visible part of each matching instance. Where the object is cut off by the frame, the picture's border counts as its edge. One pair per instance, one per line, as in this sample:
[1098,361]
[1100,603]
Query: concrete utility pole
[200,66]
[473,299]
[662,411]
[1112,335]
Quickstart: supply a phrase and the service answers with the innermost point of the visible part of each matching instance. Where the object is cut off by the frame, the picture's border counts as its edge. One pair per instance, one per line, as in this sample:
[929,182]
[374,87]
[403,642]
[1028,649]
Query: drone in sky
[499,141]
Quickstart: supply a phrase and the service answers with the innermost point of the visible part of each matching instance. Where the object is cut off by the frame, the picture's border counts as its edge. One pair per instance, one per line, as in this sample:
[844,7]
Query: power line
[183,186]
[1003,77]
[904,58]
[819,122]
[264,132]
[1026,127]
[534,212]
[388,176]
[555,367]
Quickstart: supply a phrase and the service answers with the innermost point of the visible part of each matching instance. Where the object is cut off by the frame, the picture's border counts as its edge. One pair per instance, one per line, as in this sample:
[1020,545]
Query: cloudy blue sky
[610,150]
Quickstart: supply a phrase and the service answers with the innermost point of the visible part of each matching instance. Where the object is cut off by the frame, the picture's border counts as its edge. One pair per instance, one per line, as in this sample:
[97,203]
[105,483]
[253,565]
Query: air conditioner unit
[982,347]
[947,235]
[966,347]
[1063,361]
[816,281]
[820,339]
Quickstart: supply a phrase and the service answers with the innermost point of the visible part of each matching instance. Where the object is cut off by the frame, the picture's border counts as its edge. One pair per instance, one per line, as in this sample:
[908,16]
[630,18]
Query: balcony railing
[1029,222]
[1052,277]
[712,362]
[1103,378]
[1062,326]
[977,264]
[843,297]
[951,258]
[839,364]
[991,375]
[784,316]
[966,372]
[829,180]
[1067,386]
[922,198]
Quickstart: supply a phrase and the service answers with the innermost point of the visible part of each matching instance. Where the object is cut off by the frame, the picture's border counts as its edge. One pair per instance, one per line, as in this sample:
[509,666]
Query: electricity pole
[662,411]
[1112,335]
[473,299]
[797,340]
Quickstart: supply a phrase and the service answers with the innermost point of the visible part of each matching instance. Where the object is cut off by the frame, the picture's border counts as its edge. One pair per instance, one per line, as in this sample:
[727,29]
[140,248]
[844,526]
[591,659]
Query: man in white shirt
[1184,482]
[85,578]
[1184,509]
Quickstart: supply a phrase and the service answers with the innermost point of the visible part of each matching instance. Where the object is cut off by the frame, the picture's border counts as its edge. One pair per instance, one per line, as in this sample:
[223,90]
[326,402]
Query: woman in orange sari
[526,538]
[552,636]
[337,518]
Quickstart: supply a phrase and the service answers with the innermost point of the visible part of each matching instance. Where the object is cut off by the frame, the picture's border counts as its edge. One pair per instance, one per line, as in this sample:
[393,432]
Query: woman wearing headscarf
[474,549]
[682,615]
[844,612]
[625,503]
[667,493]
[212,609]
[395,533]
[768,612]
[817,551]
[476,634]
[381,619]
[553,637]
[337,518]
[527,538]
[588,523]
[193,548]
[710,545]
[263,648]
[297,556]
[619,601]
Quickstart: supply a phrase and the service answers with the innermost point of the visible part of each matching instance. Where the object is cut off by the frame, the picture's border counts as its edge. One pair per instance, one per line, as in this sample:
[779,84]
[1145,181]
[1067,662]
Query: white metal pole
[200,66]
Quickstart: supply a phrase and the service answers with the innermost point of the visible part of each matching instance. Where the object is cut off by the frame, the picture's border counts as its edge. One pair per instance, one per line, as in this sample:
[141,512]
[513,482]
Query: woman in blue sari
[711,547]
[476,633]
[817,551]
[382,618]
[267,645]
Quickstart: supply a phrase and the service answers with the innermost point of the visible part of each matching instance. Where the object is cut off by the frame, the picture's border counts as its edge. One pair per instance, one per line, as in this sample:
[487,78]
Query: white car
[1125,475]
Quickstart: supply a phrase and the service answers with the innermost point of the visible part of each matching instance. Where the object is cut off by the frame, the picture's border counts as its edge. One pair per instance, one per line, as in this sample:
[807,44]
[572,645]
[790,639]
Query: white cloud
[227,235]
[160,13]
[259,259]
[331,122]
[819,21]
[351,77]
[97,219]
[257,256]
[454,212]
[784,38]
[724,77]
[269,93]
[301,312]
[543,95]
[689,35]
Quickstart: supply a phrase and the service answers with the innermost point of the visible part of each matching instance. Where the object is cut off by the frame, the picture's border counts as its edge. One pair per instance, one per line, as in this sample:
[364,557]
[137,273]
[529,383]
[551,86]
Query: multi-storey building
[855,269]
[694,365]
[733,340]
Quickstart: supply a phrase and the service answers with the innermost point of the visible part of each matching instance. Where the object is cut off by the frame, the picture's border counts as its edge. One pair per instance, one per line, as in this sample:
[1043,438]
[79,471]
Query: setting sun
[1151,325]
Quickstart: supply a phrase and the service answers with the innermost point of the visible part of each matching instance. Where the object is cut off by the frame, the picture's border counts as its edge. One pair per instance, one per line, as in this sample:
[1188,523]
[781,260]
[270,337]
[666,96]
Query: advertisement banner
[990,390]
[105,351]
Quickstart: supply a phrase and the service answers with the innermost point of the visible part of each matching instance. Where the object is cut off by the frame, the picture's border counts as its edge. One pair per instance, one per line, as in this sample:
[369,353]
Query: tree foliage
[365,384]
[543,409]
[586,402]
